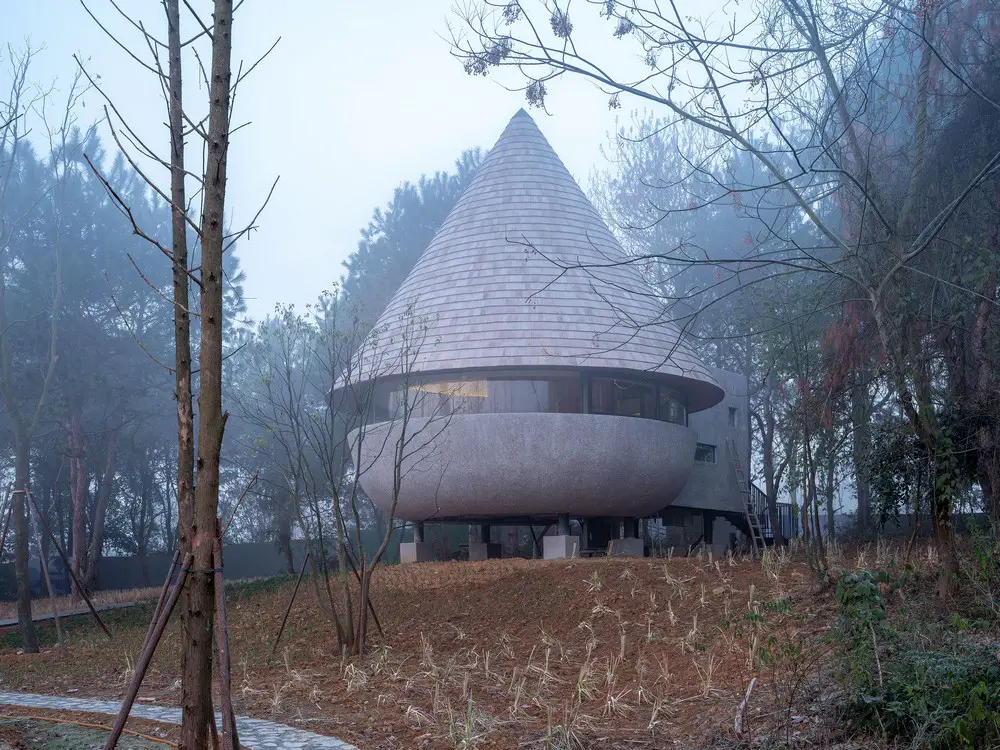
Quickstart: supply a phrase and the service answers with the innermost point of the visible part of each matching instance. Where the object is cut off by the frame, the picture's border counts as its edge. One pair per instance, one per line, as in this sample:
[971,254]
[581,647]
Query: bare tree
[855,173]
[406,437]
[198,479]
[31,204]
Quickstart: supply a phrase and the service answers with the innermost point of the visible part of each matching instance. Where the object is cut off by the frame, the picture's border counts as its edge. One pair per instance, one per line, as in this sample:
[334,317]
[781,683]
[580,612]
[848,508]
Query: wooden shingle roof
[524,273]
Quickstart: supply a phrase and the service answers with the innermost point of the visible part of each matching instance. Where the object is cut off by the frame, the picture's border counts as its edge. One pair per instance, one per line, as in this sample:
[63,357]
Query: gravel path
[254,733]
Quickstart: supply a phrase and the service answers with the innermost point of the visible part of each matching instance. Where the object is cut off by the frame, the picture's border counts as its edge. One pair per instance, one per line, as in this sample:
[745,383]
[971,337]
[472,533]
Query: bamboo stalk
[147,655]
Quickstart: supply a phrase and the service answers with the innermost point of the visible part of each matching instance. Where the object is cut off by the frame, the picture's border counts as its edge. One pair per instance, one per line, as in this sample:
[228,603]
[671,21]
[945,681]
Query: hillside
[582,653]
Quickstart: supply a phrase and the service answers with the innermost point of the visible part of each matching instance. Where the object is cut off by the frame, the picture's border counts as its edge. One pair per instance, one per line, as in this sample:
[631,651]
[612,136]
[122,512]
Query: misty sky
[356,98]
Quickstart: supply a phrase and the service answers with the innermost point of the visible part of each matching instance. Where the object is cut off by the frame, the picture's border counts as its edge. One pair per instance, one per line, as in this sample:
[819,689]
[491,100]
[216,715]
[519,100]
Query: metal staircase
[757,540]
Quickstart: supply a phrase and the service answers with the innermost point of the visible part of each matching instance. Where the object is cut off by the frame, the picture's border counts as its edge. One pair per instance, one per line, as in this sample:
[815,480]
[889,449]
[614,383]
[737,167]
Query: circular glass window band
[551,394]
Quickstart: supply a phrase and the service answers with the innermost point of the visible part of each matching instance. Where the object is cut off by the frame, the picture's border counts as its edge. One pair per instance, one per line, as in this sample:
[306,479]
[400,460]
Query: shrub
[930,698]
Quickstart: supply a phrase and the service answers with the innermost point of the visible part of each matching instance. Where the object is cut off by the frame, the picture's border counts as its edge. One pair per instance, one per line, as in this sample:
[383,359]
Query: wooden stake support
[230,739]
[69,567]
[163,595]
[156,632]
[220,637]
[6,516]
[290,603]
[44,565]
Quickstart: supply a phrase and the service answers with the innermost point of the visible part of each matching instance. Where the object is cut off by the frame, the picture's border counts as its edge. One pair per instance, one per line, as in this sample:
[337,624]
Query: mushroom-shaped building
[537,372]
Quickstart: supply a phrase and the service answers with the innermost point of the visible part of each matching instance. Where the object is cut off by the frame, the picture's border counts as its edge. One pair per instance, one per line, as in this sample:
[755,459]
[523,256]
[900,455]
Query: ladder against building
[757,540]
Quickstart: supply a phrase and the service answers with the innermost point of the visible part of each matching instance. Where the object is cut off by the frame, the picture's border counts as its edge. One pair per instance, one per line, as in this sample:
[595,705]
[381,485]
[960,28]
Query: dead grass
[65,604]
[500,654]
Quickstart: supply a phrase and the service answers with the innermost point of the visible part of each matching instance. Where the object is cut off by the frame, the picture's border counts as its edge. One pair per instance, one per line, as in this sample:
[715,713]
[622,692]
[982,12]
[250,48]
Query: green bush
[929,698]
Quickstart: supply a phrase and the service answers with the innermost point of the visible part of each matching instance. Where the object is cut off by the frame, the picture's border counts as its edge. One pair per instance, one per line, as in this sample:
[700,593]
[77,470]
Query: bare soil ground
[501,654]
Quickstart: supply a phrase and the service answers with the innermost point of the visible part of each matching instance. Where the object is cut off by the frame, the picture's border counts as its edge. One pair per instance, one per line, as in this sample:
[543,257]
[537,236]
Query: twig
[250,484]
[291,601]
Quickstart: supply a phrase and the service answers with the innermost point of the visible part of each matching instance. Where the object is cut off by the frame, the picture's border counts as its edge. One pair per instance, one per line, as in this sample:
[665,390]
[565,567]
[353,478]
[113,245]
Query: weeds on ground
[942,697]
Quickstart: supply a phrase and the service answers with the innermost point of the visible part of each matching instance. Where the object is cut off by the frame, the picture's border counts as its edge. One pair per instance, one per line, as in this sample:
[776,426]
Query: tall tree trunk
[767,456]
[104,489]
[78,481]
[200,605]
[831,521]
[22,474]
[193,696]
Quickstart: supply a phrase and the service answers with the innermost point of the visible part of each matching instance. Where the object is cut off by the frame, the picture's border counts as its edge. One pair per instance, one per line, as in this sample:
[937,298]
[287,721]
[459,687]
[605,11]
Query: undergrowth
[926,684]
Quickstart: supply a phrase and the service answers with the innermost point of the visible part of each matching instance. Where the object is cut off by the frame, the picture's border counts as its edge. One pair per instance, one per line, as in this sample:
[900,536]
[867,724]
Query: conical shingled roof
[488,300]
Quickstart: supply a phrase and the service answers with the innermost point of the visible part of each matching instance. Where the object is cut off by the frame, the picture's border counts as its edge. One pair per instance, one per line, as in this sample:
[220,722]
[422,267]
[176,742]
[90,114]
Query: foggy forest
[811,191]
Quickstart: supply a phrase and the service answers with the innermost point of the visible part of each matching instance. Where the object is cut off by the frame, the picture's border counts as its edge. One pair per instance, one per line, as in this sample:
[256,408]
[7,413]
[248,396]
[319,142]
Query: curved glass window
[556,394]
[490,396]
[671,407]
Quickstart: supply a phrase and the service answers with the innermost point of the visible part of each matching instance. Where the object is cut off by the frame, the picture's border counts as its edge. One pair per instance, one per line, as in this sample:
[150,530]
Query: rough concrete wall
[529,464]
[714,486]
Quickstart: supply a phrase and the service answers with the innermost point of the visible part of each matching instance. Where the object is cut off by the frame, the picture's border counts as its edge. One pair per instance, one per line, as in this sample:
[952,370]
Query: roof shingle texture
[524,273]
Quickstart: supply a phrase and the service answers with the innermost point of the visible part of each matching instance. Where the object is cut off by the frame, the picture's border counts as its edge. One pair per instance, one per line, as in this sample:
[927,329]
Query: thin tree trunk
[200,605]
[192,695]
[101,509]
[78,493]
[861,450]
[831,521]
[22,471]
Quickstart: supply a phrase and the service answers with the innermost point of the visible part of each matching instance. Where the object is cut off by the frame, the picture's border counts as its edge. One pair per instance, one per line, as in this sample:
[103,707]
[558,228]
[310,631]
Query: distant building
[542,382]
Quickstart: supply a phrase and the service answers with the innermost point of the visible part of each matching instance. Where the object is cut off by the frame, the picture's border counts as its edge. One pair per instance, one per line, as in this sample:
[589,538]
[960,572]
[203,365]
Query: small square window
[734,415]
[704,454]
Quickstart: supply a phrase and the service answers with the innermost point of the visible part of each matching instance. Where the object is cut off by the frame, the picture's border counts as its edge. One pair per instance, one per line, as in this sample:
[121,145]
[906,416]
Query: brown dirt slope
[501,654]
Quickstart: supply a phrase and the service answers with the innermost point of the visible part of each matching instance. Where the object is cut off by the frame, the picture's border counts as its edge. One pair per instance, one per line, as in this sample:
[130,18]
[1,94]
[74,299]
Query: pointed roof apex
[524,273]
[522,112]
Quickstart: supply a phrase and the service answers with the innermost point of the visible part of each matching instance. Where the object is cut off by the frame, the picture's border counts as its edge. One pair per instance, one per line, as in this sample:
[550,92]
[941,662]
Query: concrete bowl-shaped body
[528,465]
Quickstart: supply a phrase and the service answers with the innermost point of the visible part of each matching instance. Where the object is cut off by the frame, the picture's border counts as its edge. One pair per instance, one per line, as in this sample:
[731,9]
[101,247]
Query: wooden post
[44,564]
[147,655]
[6,522]
[163,595]
[230,740]
[69,568]
[290,603]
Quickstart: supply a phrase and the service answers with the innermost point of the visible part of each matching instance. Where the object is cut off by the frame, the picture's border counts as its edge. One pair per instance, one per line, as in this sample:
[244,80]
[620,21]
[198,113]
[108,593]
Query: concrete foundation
[484,551]
[415,552]
[561,547]
[628,547]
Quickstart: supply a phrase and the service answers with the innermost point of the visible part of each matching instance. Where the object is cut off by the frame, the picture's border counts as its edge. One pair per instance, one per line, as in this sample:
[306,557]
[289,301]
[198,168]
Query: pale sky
[356,98]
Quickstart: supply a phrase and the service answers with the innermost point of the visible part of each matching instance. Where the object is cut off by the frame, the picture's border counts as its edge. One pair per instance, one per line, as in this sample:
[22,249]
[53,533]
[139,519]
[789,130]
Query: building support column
[563,524]
[484,549]
[418,550]
[708,527]
[629,545]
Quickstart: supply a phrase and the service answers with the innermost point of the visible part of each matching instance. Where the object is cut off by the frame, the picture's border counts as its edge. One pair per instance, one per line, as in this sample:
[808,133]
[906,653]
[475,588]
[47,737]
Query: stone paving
[256,734]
